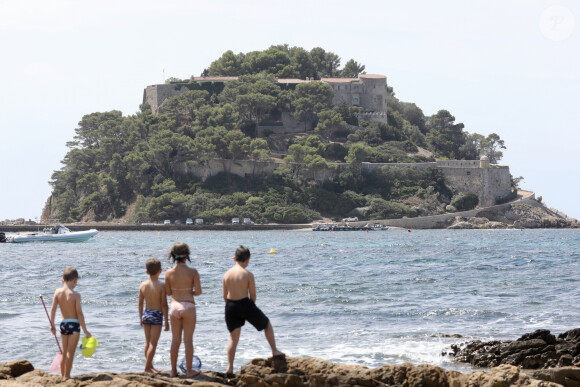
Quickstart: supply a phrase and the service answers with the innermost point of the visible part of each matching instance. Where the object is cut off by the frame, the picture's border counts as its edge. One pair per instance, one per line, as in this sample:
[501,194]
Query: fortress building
[368,91]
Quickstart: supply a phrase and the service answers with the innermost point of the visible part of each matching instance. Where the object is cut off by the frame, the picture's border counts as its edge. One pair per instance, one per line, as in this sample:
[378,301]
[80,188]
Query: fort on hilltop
[489,182]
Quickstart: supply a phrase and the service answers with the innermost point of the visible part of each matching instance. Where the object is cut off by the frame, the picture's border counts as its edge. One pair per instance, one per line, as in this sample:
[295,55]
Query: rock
[571,335]
[542,334]
[566,376]
[461,226]
[538,349]
[516,215]
[299,372]
[14,369]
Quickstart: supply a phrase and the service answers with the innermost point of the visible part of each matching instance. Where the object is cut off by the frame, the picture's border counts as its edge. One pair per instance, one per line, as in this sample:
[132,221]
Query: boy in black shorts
[239,290]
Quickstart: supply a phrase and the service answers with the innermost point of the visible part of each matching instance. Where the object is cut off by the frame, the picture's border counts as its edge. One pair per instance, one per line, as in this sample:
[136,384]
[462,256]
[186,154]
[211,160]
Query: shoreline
[161,227]
[523,213]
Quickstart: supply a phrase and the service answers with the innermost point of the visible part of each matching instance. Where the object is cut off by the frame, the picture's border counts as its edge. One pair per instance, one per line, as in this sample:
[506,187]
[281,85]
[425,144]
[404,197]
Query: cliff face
[48,211]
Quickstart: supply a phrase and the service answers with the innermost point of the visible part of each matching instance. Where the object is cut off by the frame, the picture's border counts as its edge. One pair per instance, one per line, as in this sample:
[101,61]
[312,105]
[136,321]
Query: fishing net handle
[51,324]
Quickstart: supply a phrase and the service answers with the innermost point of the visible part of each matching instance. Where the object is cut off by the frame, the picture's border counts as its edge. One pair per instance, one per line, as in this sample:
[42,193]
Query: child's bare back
[153,292]
[67,300]
[237,283]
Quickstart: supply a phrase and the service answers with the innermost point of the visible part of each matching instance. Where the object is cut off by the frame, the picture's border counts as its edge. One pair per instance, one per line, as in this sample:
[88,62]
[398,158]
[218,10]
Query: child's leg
[232,345]
[70,349]
[176,328]
[189,319]
[154,333]
[64,339]
[269,332]
[147,331]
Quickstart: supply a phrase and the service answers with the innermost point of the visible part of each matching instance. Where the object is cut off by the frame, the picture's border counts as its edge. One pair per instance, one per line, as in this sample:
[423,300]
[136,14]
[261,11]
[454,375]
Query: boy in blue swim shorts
[152,297]
[73,318]
[239,291]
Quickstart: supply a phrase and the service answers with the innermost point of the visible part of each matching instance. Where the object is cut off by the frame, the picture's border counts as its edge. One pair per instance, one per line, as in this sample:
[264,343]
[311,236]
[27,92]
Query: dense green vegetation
[140,162]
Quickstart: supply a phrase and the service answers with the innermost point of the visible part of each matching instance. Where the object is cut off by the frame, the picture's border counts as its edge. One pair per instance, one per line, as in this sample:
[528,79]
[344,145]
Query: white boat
[58,233]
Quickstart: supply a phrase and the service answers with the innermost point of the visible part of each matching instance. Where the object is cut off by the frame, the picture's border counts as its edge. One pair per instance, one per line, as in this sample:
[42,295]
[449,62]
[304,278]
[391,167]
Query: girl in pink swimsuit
[182,284]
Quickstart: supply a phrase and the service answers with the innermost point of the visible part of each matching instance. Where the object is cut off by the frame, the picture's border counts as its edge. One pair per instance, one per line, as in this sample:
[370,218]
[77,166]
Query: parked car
[351,219]
[178,221]
[188,221]
[247,221]
[166,221]
[199,221]
[235,220]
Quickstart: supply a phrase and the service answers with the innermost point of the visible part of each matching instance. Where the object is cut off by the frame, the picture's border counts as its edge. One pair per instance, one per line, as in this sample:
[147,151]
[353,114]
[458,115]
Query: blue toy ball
[195,364]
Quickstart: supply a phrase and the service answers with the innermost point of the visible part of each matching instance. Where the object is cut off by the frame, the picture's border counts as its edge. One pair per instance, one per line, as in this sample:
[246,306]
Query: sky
[510,67]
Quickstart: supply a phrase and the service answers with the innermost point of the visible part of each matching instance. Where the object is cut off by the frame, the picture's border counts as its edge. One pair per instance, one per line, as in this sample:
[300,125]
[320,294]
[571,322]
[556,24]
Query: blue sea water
[365,298]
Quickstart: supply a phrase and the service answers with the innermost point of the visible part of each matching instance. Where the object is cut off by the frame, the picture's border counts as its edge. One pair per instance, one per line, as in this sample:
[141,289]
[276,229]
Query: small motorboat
[58,233]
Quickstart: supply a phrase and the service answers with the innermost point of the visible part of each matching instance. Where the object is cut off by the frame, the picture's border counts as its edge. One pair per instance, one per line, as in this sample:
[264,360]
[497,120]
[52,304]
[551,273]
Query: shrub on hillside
[465,201]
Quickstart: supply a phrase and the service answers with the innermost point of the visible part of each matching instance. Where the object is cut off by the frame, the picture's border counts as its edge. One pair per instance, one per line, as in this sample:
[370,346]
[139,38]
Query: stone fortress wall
[156,95]
[488,181]
[368,91]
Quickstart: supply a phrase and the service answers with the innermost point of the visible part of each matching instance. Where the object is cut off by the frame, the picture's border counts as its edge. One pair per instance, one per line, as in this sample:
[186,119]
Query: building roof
[214,79]
[376,76]
[291,80]
[294,80]
[339,80]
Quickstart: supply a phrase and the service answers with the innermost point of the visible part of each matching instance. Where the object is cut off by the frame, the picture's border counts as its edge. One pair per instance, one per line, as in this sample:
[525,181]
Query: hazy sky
[508,66]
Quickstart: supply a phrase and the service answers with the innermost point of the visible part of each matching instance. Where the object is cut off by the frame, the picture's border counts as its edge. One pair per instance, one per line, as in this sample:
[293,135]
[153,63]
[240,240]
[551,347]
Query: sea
[357,298]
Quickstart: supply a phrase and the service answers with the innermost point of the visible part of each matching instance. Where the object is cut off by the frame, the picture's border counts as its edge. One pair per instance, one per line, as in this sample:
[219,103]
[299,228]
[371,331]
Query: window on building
[468,173]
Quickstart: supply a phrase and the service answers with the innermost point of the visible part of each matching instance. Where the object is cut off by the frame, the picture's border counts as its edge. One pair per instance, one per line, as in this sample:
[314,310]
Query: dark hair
[70,273]
[153,266]
[242,254]
[179,252]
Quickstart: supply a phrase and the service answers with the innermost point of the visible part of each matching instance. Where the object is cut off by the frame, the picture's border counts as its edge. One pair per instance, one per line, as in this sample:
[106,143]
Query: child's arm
[141,299]
[252,287]
[53,312]
[168,291]
[80,315]
[164,308]
[196,284]
[225,289]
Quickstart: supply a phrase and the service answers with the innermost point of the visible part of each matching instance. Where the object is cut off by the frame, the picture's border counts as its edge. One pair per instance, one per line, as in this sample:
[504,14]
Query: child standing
[182,283]
[73,318]
[238,283]
[152,291]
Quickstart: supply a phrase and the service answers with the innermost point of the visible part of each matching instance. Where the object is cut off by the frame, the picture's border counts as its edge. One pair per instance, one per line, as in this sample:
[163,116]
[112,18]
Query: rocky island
[287,147]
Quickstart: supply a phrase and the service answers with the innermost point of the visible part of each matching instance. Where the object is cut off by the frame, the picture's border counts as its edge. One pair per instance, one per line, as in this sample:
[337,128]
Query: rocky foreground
[296,372]
[535,359]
